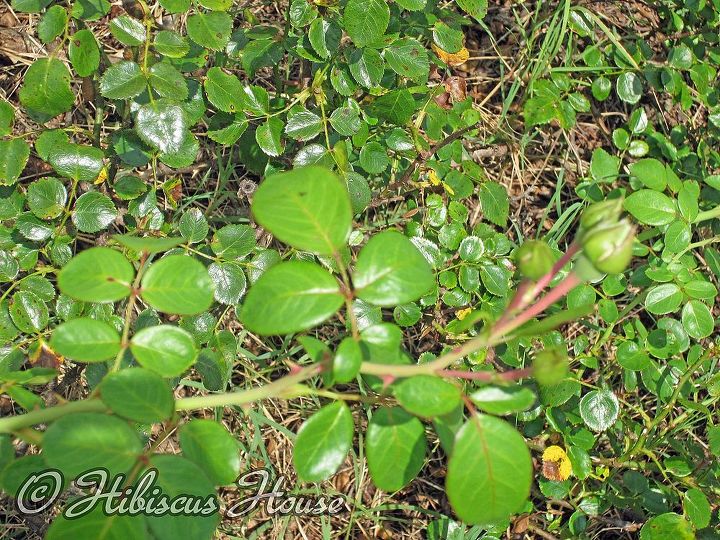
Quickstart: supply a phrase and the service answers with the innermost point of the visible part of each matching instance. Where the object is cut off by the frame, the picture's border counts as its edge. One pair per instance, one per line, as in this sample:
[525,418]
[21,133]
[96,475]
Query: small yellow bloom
[556,464]
[462,313]
[452,59]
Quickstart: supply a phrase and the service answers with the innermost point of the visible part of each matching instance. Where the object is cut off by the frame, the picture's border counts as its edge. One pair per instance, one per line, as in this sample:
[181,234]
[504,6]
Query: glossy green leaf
[323,442]
[629,87]
[408,58]
[52,24]
[290,297]
[46,90]
[177,284]
[211,30]
[97,274]
[427,395]
[166,350]
[46,198]
[650,172]
[503,399]
[171,44]
[137,394]
[168,81]
[664,526]
[347,360]
[697,508]
[307,208]
[229,282]
[209,445]
[697,319]
[162,124]
[366,20]
[395,447]
[489,472]
[148,244]
[664,298]
[390,271]
[224,90]
[86,340]
[122,81]
[28,312]
[93,212]
[77,161]
[95,524]
[269,136]
[84,53]
[127,30]
[78,442]
[14,155]
[366,66]
[303,126]
[599,409]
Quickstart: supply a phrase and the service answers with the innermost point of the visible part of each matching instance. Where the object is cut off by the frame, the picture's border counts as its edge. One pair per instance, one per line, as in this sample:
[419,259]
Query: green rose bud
[550,366]
[609,248]
[534,259]
[601,214]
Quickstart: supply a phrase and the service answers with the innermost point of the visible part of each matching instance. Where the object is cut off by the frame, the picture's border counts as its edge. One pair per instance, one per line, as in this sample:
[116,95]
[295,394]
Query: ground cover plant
[451,263]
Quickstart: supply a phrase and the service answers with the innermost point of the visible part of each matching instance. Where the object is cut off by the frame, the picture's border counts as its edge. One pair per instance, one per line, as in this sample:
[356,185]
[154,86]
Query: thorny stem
[284,386]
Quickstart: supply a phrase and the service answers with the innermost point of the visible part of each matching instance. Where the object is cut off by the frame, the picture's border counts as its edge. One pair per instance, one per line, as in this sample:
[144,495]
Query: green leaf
[97,274]
[411,5]
[148,244]
[95,524]
[697,508]
[664,298]
[269,136]
[374,158]
[163,125]
[367,66]
[28,312]
[52,24]
[14,154]
[168,81]
[90,10]
[123,80]
[209,445]
[32,228]
[427,395]
[229,281]
[9,267]
[599,409]
[78,442]
[366,20]
[127,30]
[650,172]
[193,226]
[396,107]
[93,212]
[211,30]
[651,207]
[46,198]
[77,161]
[175,6]
[178,477]
[408,58]
[138,395]
[30,6]
[495,203]
[629,87]
[347,360]
[303,126]
[346,120]
[307,208]
[224,90]
[233,241]
[290,297]
[448,39]
[503,399]
[324,36]
[7,117]
[84,53]
[489,472]
[302,13]
[664,526]
[167,350]
[603,166]
[46,90]
[323,442]
[171,44]
[85,340]
[390,271]
[697,319]
[477,9]
[395,446]
[177,284]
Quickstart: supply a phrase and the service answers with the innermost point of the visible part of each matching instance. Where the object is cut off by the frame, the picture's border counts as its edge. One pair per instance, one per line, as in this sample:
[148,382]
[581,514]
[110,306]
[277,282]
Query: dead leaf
[452,59]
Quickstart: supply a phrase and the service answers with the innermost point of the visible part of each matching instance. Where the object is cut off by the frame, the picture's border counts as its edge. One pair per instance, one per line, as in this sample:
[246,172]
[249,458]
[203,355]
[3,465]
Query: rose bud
[534,259]
[601,214]
[609,248]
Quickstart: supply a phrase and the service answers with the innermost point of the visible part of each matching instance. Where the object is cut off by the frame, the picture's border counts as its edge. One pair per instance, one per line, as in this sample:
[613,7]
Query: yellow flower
[556,464]
[452,59]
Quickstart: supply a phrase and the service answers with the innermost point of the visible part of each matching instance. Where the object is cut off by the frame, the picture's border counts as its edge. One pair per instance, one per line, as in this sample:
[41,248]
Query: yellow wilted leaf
[462,313]
[102,176]
[434,178]
[452,59]
[556,464]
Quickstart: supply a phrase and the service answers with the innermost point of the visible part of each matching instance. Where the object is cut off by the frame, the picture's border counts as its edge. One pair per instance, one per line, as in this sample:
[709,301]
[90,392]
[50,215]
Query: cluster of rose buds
[604,242]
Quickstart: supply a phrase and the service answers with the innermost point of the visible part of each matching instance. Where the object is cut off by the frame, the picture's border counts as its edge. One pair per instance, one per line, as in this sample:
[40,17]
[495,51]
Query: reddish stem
[487,376]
